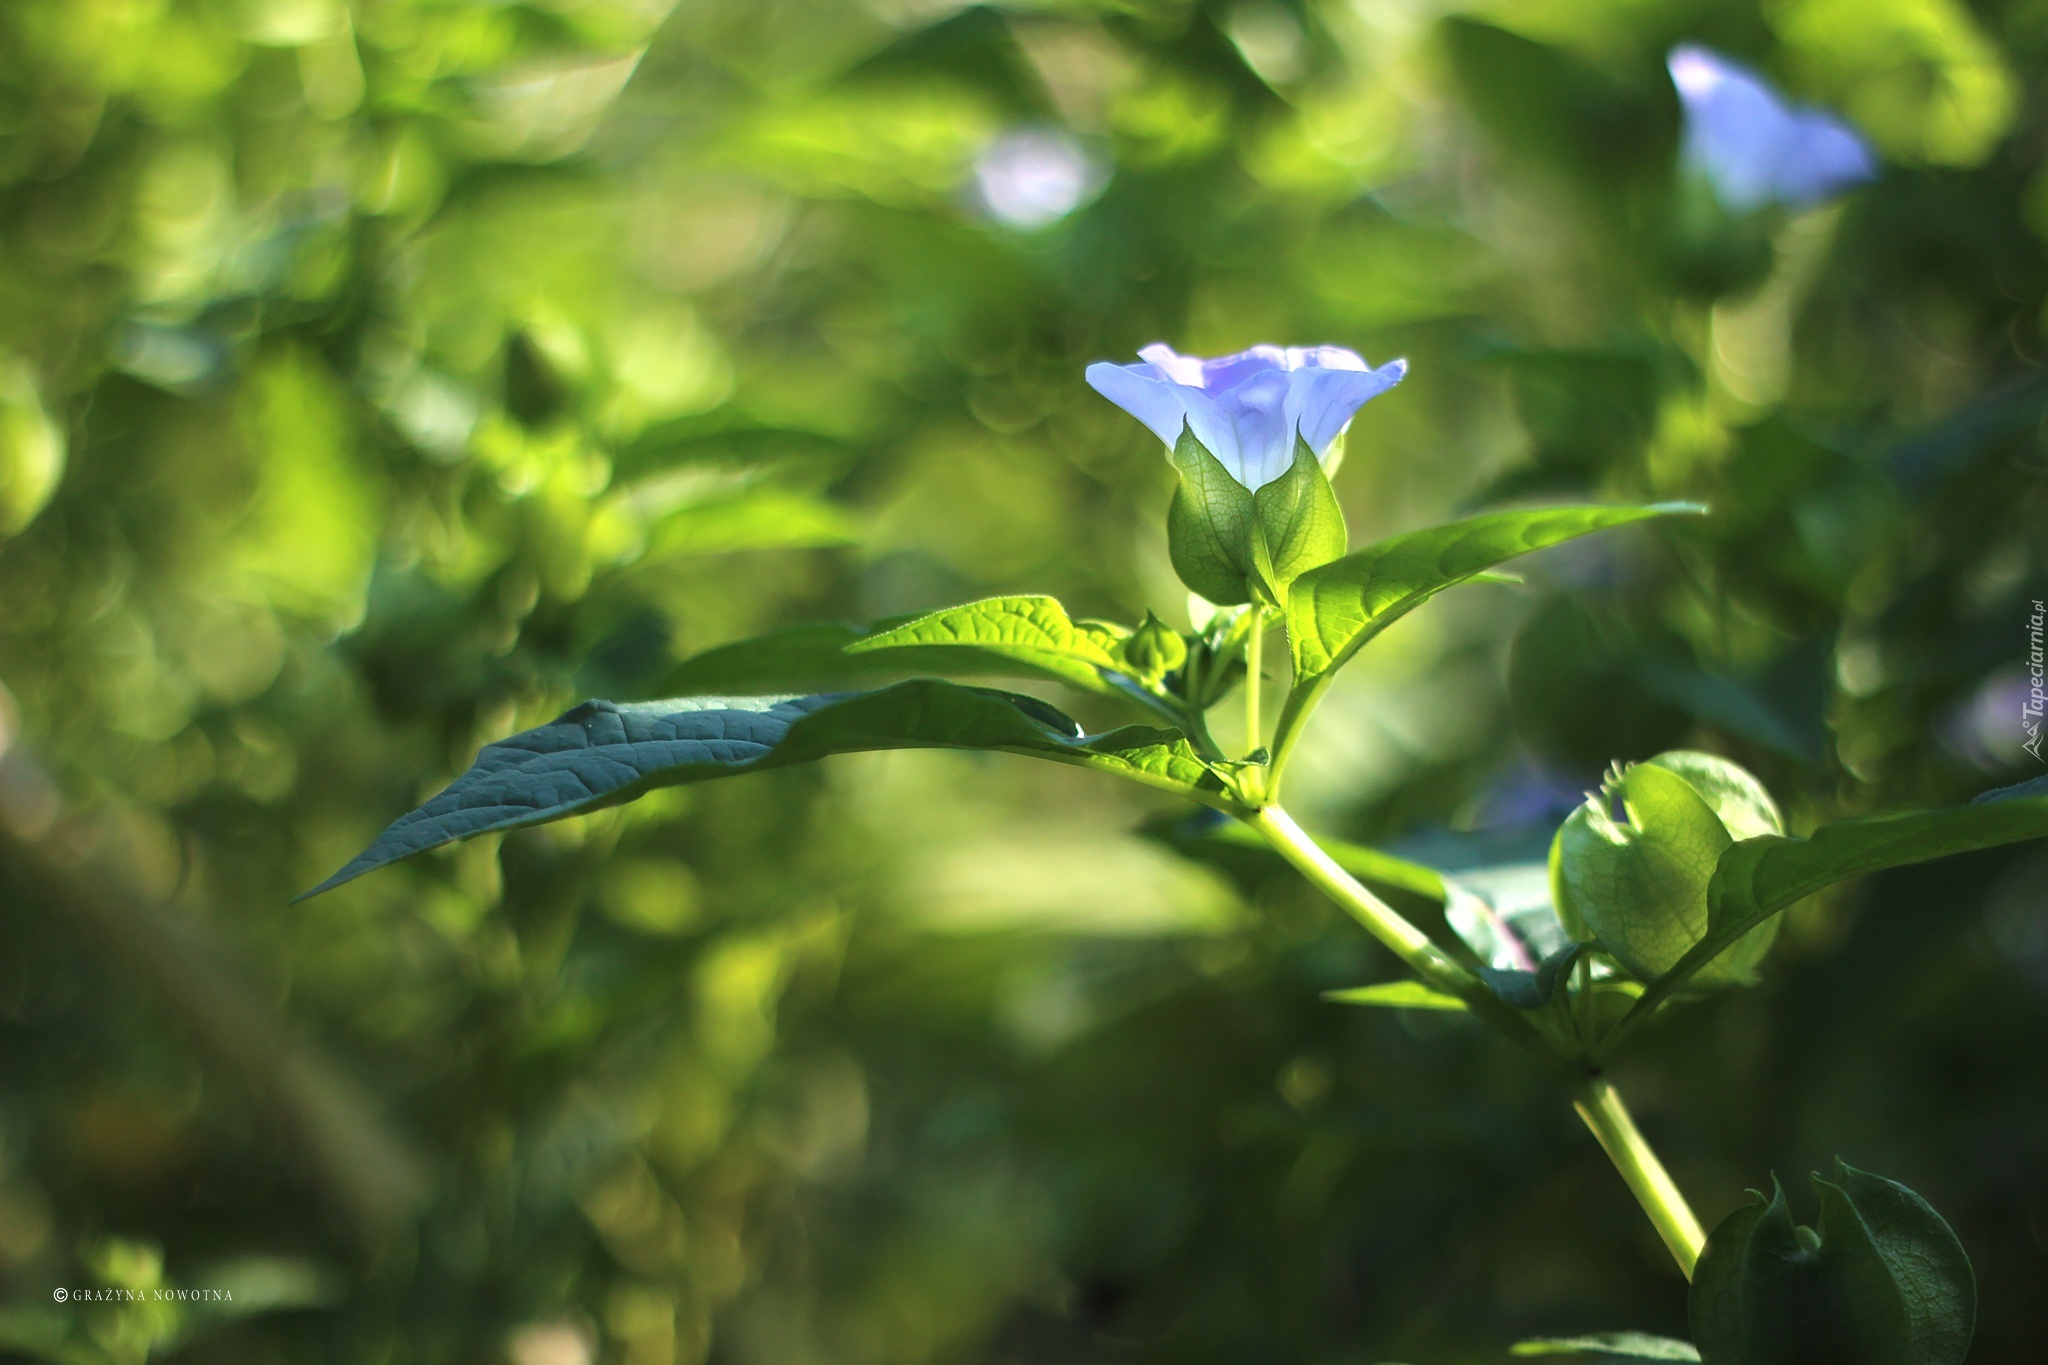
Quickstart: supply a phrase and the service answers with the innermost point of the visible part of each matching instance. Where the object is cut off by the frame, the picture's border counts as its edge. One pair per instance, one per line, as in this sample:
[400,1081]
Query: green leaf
[1297,524]
[1882,1281]
[756,519]
[1209,525]
[605,753]
[1757,878]
[1609,1346]
[1020,636]
[1333,610]
[1406,995]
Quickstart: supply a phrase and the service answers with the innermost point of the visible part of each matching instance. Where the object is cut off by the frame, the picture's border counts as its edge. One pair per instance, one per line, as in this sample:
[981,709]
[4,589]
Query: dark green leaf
[604,753]
[1881,1281]
[1335,609]
[1531,990]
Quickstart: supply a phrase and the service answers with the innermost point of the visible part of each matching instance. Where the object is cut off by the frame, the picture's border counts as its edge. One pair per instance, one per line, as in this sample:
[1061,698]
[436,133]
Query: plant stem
[1254,646]
[1600,1106]
[1381,920]
[1595,1099]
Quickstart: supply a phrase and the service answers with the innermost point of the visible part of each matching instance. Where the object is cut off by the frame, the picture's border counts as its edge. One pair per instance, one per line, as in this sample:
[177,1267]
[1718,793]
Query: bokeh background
[378,377]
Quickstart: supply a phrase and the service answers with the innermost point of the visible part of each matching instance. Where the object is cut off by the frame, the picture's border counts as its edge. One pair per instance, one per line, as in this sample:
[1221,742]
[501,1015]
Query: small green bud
[1154,649]
[1638,886]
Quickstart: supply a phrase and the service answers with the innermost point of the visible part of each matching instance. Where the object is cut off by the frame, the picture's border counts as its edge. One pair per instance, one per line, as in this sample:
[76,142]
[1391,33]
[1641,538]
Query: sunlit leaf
[1334,610]
[1020,636]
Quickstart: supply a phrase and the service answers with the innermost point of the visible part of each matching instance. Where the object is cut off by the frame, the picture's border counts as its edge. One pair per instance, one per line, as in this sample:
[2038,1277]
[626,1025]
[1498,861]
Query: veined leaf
[1758,877]
[1406,995]
[1333,610]
[1024,636]
[757,519]
[1209,525]
[604,753]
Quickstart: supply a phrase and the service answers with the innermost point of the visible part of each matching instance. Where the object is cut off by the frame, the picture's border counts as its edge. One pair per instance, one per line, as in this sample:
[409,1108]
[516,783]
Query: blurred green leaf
[1406,995]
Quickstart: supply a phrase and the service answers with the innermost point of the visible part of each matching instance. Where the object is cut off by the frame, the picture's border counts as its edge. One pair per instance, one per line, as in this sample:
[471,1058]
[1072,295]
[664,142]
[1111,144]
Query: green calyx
[1637,886]
[1232,544]
[1881,1281]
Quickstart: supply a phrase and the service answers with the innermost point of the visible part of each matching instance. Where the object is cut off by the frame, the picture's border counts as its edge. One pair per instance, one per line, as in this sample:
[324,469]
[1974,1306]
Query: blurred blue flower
[1033,177]
[1246,408]
[1752,146]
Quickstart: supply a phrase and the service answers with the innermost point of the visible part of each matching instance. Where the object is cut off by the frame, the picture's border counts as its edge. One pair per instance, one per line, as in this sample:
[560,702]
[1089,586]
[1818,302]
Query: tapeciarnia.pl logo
[2037,675]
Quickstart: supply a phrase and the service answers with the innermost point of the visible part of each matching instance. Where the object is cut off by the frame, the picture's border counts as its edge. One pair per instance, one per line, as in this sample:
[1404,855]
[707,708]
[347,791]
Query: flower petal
[1143,392]
[1181,369]
[1262,417]
[1324,358]
[1227,372]
[1146,393]
[1326,399]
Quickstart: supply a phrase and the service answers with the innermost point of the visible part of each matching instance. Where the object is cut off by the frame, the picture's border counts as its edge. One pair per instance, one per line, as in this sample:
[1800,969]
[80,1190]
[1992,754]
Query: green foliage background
[377,378]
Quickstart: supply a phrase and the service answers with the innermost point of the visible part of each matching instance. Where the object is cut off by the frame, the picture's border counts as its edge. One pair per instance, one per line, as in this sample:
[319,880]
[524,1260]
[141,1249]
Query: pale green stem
[1594,1098]
[1381,920]
[1601,1107]
[1254,646]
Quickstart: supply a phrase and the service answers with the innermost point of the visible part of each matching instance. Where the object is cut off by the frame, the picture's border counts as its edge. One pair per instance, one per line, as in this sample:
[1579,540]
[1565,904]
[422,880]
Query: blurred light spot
[1033,177]
[292,23]
[551,1343]
[1080,65]
[1270,41]
[1921,75]
[1987,731]
[1058,880]
[31,448]
[435,414]
[169,357]
[1045,1007]
[651,895]
[1304,1083]
[549,110]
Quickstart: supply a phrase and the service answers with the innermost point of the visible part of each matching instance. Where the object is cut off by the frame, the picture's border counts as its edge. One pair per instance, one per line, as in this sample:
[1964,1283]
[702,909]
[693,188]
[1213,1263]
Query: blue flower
[1753,147]
[1246,408]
